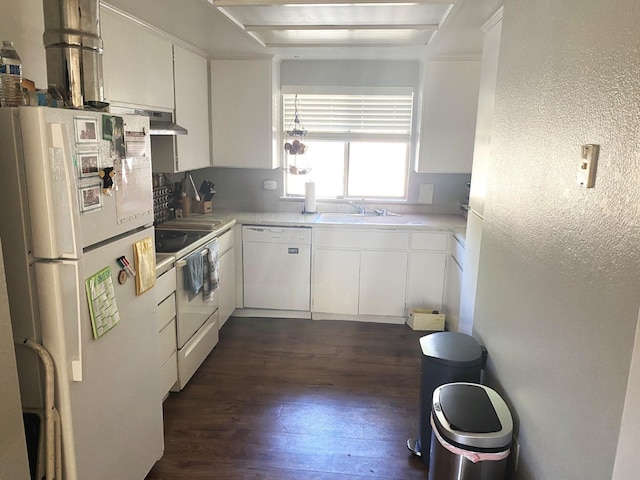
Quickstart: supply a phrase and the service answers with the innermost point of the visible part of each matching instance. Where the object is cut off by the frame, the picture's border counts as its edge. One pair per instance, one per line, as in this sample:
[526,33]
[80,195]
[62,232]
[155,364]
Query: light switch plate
[588,165]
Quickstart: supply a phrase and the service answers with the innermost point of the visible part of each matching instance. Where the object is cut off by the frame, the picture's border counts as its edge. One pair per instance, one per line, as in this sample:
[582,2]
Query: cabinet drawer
[166,311]
[362,240]
[429,241]
[225,242]
[167,341]
[165,284]
[196,349]
[169,373]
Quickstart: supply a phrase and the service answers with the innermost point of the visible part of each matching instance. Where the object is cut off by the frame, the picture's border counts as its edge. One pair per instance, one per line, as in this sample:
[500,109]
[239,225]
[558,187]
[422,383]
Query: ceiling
[306,29]
[298,23]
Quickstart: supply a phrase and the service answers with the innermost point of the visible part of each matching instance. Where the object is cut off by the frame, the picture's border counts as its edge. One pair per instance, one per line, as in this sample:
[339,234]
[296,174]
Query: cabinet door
[192,109]
[383,277]
[336,275]
[448,120]
[122,60]
[484,124]
[227,273]
[426,280]
[137,63]
[158,66]
[451,301]
[244,110]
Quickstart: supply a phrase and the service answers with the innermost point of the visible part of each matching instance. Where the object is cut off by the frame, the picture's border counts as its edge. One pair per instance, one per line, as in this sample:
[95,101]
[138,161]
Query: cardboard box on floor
[423,319]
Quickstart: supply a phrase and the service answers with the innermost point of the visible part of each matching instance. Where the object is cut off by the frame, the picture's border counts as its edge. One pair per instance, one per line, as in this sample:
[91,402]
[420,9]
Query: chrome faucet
[361,209]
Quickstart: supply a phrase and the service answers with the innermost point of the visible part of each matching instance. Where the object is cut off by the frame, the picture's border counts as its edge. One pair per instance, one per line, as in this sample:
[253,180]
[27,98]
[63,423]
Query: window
[357,142]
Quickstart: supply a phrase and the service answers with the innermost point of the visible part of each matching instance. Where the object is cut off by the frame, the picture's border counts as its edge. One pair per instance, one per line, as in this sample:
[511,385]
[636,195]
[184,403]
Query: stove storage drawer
[191,356]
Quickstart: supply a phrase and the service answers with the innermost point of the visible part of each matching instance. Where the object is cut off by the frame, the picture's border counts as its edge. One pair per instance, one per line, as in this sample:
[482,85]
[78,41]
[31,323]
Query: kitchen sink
[363,218]
[340,217]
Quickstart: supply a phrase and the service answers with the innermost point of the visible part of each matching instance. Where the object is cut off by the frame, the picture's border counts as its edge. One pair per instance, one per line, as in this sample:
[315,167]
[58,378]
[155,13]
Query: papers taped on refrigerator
[102,302]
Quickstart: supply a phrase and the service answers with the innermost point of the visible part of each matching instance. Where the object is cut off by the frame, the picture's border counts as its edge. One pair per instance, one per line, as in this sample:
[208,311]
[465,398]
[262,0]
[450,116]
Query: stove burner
[172,241]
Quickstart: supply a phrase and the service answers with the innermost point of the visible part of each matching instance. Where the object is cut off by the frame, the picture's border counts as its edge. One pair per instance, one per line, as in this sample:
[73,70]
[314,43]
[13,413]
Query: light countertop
[421,222]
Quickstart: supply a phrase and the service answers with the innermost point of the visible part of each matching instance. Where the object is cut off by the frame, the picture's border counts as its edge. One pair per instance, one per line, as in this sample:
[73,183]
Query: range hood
[161,123]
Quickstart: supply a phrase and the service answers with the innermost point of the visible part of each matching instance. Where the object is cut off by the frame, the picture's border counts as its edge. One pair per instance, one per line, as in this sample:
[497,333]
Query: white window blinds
[351,114]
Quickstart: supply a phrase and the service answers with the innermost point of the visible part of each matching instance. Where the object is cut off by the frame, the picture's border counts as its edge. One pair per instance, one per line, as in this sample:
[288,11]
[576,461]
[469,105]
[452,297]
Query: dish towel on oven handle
[211,279]
[193,278]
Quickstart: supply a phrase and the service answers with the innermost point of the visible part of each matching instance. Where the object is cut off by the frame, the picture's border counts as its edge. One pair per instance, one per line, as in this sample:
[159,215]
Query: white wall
[25,26]
[627,459]
[13,451]
[557,299]
[242,188]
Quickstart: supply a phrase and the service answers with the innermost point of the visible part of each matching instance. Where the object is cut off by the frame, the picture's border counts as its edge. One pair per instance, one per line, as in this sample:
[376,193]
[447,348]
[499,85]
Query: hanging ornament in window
[293,144]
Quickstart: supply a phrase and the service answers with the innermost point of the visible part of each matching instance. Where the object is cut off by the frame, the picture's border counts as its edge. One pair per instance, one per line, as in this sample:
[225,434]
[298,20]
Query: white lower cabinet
[166,317]
[427,262]
[426,280]
[359,272]
[336,278]
[227,274]
[453,284]
[191,356]
[383,279]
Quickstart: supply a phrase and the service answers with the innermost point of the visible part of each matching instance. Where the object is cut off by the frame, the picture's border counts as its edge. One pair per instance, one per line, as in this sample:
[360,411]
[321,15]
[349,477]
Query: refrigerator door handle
[76,363]
[61,332]
[53,204]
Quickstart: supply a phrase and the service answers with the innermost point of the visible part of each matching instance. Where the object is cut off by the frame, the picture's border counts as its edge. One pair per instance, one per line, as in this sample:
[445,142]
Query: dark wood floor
[283,399]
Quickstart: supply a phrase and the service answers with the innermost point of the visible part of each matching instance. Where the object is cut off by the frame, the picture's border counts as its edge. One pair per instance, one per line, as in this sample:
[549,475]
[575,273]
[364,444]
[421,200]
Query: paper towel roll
[310,197]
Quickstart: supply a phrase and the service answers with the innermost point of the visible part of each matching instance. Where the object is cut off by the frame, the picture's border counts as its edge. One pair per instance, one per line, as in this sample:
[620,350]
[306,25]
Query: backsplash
[242,190]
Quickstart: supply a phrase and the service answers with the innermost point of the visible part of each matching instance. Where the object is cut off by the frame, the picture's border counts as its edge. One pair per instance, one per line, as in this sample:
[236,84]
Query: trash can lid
[472,416]
[452,348]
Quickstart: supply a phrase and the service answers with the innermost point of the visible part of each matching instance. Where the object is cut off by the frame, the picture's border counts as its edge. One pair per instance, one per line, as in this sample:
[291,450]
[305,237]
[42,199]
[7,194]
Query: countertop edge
[453,224]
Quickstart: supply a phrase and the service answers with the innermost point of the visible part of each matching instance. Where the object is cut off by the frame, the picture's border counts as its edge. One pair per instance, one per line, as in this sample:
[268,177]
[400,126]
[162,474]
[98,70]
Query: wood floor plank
[297,399]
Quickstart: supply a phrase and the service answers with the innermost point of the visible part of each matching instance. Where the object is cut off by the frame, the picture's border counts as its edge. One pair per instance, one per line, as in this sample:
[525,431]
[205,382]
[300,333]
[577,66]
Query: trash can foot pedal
[412,445]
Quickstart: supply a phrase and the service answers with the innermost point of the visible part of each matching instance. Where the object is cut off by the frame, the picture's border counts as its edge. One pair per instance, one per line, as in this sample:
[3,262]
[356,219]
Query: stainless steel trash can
[447,357]
[471,436]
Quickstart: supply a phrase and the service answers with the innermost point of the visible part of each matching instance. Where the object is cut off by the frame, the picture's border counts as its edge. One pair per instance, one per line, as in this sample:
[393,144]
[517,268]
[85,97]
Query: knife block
[203,206]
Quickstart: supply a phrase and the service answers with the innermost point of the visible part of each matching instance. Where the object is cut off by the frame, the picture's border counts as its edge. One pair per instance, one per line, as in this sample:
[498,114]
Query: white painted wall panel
[557,297]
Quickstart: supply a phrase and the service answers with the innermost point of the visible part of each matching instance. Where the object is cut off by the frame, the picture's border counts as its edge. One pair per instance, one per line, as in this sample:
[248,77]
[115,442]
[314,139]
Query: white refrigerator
[76,197]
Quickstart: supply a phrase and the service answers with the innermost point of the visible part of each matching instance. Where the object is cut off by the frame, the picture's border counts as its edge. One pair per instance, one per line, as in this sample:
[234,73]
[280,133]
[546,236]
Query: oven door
[192,310]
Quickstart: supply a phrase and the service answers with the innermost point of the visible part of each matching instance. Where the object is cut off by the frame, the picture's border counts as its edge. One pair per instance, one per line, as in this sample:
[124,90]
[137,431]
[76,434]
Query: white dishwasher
[276,267]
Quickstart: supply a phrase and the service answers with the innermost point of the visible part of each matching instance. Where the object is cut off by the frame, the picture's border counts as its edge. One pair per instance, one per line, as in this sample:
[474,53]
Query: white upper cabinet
[486,107]
[192,109]
[448,117]
[137,63]
[245,113]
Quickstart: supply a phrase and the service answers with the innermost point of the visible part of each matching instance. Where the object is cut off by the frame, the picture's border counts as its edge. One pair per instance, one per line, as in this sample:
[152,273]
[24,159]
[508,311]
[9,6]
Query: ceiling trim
[242,27]
[267,3]
[262,28]
[351,44]
[493,20]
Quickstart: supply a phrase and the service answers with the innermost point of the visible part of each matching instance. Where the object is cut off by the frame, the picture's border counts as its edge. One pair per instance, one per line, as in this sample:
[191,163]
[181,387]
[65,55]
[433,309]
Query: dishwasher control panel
[276,234]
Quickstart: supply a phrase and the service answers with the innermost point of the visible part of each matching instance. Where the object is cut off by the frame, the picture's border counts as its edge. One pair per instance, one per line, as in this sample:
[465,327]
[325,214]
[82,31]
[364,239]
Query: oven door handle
[183,263]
